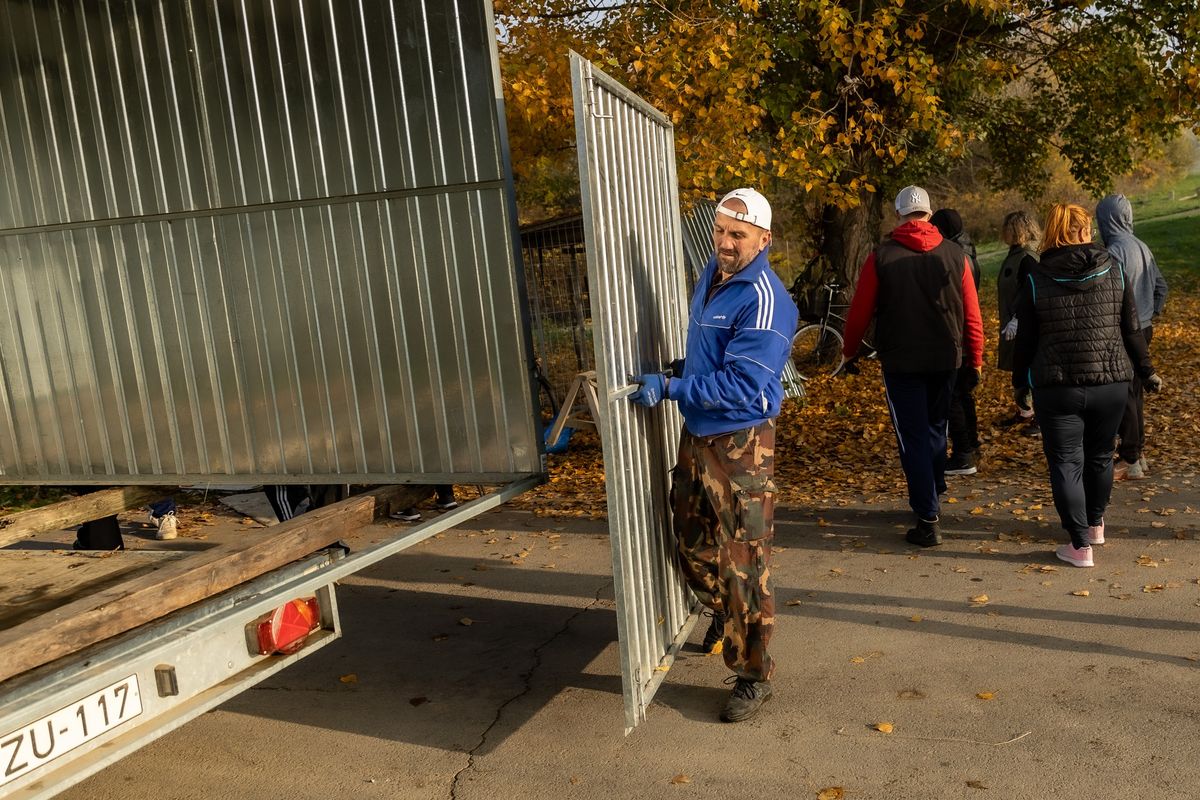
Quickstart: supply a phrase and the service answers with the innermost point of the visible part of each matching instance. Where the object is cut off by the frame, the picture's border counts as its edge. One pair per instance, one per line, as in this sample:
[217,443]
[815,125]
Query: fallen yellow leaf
[980,599]
[831,793]
[351,678]
[466,621]
[986,695]
[884,727]
[916,618]
[858,660]
[678,779]
[1081,593]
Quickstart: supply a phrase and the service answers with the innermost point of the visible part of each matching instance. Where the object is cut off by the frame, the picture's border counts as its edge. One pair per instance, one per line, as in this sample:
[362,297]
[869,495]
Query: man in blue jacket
[740,334]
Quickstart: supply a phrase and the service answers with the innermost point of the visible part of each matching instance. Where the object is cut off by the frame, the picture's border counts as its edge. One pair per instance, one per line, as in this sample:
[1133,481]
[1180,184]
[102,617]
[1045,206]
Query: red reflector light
[285,629]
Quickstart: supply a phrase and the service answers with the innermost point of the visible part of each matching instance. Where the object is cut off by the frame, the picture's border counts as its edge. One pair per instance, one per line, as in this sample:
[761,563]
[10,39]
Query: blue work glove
[653,389]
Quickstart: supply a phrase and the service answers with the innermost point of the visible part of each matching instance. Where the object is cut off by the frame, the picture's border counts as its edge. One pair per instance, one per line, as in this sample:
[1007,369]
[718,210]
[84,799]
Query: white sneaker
[168,526]
[407,515]
[447,505]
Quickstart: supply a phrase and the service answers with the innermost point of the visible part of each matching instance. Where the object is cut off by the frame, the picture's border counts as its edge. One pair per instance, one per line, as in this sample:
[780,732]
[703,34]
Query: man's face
[737,242]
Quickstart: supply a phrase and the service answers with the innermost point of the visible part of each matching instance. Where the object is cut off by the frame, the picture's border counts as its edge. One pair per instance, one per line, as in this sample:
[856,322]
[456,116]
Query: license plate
[54,735]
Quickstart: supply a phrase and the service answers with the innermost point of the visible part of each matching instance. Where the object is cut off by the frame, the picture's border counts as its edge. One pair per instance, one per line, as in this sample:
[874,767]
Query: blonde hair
[1066,223]
[1020,228]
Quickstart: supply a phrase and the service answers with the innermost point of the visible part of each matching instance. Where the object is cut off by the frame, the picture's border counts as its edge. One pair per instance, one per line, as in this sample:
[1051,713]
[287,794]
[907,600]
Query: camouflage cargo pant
[723,499]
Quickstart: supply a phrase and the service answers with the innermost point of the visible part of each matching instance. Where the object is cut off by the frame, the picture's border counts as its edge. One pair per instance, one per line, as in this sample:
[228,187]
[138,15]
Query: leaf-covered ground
[836,446]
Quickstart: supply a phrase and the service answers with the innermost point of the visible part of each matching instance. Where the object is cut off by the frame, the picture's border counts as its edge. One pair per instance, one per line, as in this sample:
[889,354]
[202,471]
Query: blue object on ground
[560,446]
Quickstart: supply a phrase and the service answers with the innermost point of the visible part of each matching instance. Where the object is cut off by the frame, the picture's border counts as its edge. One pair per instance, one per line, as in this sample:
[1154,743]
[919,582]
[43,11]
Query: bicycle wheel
[817,350]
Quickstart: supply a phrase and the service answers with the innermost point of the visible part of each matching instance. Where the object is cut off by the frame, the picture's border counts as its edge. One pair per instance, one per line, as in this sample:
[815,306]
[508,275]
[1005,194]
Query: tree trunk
[849,236]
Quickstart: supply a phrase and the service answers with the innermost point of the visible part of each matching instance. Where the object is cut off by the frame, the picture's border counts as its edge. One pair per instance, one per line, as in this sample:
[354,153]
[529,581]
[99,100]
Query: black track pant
[1133,423]
[1079,424]
[964,425]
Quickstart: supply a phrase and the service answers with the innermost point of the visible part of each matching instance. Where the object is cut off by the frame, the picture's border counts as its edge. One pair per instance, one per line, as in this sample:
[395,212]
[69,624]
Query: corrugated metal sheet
[639,304]
[264,239]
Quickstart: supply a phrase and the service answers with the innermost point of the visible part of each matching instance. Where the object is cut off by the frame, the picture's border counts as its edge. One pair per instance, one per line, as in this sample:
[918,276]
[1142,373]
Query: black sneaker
[926,534]
[1032,430]
[714,639]
[961,464]
[745,699]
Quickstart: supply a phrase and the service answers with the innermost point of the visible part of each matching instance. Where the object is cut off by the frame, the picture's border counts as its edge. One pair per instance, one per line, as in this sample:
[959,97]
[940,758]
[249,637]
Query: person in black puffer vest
[1077,334]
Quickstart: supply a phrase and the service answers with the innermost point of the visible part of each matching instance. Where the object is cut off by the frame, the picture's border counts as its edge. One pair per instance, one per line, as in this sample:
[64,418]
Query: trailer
[276,244]
[270,244]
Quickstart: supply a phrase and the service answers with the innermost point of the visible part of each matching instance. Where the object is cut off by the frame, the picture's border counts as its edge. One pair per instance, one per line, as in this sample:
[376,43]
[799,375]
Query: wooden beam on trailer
[76,511]
[172,586]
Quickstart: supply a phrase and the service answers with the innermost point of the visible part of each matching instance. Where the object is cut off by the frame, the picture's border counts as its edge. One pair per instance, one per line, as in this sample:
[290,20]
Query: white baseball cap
[758,210]
[912,199]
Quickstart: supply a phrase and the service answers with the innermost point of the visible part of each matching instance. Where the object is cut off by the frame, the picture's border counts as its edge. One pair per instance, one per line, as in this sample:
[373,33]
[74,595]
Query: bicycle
[817,347]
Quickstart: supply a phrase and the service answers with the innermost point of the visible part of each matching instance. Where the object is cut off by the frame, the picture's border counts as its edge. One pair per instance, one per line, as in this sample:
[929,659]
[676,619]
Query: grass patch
[1183,196]
[1176,246]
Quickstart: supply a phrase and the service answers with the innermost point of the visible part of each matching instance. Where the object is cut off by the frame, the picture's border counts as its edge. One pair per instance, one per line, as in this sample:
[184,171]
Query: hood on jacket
[948,221]
[917,235]
[1076,266]
[1114,217]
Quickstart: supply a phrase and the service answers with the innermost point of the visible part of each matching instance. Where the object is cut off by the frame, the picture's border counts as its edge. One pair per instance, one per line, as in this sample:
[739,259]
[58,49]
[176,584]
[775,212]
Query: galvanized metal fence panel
[267,240]
[639,315]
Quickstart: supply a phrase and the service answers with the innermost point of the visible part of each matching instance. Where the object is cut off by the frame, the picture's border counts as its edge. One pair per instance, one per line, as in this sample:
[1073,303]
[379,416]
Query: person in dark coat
[964,424]
[1021,233]
[1078,344]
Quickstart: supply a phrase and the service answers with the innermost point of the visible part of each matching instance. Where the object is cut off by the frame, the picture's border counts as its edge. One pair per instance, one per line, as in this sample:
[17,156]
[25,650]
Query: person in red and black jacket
[920,291]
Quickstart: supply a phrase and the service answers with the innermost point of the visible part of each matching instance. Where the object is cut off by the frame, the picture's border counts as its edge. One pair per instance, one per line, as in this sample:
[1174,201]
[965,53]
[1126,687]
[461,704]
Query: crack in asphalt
[527,679]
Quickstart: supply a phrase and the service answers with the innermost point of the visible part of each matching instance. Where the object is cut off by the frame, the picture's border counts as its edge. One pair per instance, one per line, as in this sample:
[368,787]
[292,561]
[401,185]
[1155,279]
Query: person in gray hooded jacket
[1114,217]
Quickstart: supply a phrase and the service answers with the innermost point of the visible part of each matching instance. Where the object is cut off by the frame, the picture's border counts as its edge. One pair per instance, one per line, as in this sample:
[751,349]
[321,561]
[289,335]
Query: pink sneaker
[1095,533]
[1078,557]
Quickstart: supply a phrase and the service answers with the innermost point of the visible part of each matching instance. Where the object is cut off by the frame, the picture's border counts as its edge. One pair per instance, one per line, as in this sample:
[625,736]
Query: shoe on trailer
[746,698]
[167,525]
[407,515]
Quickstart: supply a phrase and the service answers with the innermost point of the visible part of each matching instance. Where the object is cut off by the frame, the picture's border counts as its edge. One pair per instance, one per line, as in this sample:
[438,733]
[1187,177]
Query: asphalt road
[1039,691]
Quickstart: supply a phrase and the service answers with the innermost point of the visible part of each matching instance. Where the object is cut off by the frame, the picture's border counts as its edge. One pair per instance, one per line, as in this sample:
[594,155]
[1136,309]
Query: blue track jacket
[737,345]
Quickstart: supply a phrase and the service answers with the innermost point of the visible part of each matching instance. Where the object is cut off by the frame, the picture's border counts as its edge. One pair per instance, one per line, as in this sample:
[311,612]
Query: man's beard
[729,267]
